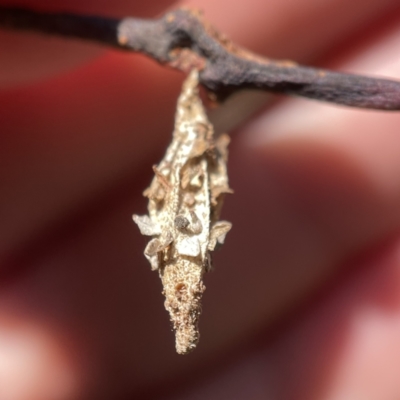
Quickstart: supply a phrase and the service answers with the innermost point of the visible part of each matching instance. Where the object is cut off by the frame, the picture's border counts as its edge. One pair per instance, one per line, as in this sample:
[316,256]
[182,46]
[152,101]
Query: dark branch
[181,39]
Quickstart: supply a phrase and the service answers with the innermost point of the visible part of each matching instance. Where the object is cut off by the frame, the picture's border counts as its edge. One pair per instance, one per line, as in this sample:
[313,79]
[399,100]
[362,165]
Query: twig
[182,39]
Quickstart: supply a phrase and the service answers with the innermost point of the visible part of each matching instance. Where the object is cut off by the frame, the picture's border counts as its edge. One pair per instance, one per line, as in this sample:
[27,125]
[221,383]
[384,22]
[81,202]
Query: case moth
[185,199]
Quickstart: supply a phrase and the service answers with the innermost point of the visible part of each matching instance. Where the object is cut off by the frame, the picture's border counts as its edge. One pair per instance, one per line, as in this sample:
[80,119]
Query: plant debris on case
[185,199]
